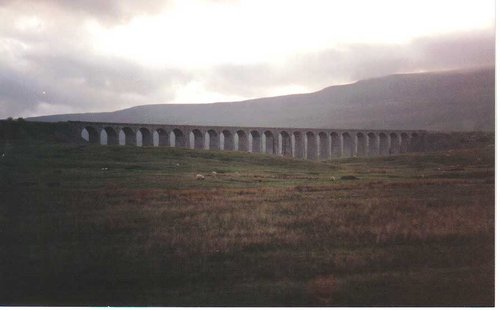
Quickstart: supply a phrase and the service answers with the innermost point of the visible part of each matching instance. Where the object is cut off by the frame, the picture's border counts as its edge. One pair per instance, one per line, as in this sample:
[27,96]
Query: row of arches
[289,143]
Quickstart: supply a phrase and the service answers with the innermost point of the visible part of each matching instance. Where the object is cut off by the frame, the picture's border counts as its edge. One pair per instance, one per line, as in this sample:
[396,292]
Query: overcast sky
[65,56]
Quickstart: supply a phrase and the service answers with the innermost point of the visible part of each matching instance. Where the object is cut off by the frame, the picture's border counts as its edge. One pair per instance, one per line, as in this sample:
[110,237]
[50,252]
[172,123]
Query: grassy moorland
[92,225]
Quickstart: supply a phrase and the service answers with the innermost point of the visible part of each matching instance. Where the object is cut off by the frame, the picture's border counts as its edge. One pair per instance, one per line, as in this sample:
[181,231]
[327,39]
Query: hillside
[450,101]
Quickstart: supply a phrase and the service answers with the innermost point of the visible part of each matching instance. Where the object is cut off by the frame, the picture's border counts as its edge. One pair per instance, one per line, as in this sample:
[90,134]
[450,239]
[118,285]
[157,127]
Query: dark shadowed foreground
[92,225]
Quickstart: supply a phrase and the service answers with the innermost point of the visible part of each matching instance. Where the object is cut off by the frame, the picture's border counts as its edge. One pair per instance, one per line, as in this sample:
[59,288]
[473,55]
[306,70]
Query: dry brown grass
[155,236]
[322,289]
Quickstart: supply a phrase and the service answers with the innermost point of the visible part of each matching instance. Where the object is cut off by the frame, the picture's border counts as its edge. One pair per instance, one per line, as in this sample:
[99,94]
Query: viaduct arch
[301,143]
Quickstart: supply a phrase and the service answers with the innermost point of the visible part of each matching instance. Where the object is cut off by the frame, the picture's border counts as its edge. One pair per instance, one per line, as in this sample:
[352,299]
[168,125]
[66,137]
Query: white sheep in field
[332,178]
[214,174]
[200,177]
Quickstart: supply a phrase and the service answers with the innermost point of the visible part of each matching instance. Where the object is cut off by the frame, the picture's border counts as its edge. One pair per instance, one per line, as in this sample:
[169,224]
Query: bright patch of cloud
[198,33]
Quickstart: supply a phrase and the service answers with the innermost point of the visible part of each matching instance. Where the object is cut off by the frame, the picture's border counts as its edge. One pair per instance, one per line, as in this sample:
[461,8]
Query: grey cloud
[360,61]
[82,81]
[59,68]
[355,62]
[106,73]
[13,87]
[104,11]
[60,62]
[82,84]
[458,50]
[20,92]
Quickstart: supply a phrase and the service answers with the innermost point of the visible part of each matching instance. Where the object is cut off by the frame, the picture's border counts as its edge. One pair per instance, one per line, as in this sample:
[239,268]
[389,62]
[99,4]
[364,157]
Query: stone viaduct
[303,143]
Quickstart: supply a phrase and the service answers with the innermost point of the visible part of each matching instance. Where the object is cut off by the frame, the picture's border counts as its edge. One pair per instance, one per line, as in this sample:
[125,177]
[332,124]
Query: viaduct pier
[302,143]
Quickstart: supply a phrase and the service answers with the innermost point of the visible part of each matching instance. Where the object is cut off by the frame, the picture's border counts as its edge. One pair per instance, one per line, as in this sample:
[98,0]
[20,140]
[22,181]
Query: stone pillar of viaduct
[300,143]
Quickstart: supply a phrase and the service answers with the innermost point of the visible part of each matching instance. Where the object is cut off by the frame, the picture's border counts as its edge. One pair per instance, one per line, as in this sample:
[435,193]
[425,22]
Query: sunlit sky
[91,55]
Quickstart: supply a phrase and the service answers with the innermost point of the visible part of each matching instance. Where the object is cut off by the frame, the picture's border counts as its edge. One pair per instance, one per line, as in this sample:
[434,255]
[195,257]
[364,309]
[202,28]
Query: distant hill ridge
[449,100]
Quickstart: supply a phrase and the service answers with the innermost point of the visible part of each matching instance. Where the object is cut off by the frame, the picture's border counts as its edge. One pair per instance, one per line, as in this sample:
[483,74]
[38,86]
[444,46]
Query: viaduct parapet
[302,143]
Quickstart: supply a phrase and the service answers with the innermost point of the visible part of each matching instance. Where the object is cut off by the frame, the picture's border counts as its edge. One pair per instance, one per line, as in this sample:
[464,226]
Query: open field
[416,229]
